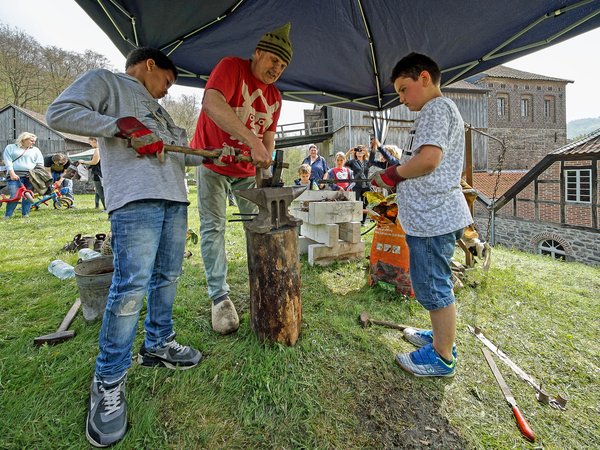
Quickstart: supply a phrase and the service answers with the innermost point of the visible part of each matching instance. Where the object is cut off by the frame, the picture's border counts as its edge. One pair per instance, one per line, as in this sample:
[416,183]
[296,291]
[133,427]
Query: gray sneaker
[172,356]
[107,412]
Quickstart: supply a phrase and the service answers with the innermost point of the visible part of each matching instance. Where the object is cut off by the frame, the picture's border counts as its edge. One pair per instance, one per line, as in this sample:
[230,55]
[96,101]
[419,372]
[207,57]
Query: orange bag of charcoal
[389,258]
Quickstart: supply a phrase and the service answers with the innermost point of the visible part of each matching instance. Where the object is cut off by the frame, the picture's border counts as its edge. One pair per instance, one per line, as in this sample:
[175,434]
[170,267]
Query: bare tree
[19,69]
[62,67]
[185,110]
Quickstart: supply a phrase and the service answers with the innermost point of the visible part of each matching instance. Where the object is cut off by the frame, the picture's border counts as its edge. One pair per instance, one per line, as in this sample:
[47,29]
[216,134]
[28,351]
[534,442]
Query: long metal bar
[558,402]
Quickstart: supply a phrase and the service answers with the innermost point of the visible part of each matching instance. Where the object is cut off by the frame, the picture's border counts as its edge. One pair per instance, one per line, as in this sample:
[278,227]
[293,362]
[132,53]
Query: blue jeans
[13,187]
[430,269]
[212,205]
[66,183]
[148,241]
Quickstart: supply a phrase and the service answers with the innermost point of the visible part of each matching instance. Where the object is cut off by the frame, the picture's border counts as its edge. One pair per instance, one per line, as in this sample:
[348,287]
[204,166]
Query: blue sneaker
[420,338]
[425,362]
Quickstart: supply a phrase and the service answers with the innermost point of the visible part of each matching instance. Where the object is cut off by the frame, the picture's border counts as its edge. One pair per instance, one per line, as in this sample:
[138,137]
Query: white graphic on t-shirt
[256,121]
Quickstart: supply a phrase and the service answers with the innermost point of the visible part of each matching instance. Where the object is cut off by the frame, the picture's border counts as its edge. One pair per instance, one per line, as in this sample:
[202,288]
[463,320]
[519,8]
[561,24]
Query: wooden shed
[14,120]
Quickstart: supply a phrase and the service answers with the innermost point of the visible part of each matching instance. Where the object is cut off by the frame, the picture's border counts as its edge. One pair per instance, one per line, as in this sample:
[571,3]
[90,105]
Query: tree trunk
[274,272]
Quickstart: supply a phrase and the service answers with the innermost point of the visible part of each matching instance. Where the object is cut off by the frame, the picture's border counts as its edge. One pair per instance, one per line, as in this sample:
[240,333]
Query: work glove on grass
[388,178]
[142,139]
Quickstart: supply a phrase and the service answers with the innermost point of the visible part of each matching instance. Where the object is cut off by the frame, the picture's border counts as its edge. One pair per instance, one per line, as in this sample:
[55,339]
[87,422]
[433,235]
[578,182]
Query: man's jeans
[212,204]
[148,241]
[13,187]
[66,183]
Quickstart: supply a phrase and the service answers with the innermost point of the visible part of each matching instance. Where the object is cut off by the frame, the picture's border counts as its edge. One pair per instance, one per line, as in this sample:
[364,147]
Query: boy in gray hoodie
[147,204]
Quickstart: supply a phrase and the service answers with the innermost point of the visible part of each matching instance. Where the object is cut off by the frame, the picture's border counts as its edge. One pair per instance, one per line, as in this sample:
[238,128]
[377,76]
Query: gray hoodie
[91,106]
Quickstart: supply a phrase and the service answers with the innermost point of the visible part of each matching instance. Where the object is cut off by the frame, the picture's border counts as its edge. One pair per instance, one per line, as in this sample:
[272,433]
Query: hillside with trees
[581,127]
[33,75]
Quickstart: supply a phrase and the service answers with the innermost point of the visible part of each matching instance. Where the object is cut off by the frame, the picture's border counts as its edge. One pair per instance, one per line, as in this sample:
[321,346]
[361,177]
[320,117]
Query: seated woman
[340,172]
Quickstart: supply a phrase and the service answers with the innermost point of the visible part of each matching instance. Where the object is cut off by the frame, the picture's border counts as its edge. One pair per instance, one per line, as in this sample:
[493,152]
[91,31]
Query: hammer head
[364,319]
[54,338]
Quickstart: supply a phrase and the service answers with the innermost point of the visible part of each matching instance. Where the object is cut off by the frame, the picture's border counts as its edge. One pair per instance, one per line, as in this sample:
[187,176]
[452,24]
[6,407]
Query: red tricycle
[21,192]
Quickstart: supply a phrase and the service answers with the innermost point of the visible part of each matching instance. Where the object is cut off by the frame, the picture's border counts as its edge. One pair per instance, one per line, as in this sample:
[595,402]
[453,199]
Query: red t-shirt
[255,103]
[342,173]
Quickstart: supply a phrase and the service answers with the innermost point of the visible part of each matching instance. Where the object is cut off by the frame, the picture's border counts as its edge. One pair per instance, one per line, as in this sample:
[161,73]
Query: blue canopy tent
[344,50]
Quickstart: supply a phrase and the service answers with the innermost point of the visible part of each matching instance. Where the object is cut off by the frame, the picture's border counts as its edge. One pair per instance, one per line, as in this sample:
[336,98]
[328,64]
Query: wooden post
[274,275]
[468,173]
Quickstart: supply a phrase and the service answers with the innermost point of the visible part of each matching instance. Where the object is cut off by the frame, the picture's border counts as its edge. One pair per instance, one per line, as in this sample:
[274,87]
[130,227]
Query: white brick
[326,234]
[350,232]
[315,196]
[330,212]
[303,244]
[322,255]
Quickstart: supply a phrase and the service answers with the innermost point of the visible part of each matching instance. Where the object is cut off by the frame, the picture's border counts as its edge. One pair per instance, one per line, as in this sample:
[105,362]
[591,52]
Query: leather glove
[387,179]
[142,139]
[227,156]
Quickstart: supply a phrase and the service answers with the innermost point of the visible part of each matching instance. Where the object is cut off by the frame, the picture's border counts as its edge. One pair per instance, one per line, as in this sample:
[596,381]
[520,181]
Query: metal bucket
[94,277]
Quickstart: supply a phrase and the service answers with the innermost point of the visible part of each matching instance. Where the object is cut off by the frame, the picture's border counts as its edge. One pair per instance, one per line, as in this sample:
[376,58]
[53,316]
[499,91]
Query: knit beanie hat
[278,42]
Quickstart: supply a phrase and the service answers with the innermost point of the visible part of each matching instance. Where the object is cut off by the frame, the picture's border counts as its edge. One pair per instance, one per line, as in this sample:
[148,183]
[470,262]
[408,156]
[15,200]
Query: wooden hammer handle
[397,326]
[64,326]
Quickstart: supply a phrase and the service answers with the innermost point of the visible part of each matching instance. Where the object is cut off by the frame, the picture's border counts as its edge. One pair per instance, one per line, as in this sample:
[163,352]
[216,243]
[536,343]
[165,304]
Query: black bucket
[94,277]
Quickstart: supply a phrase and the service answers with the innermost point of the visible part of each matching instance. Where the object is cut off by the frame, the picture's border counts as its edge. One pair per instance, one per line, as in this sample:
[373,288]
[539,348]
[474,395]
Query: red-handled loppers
[524,427]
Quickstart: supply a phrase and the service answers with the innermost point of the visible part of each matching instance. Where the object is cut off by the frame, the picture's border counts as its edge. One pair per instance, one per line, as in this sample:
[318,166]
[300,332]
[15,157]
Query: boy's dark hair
[413,64]
[143,53]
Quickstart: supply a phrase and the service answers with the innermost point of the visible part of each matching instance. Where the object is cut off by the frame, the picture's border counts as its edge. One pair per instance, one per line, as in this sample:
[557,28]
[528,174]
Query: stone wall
[579,245]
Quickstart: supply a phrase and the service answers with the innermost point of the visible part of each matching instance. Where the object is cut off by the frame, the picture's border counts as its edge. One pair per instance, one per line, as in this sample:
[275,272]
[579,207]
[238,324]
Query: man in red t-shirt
[240,108]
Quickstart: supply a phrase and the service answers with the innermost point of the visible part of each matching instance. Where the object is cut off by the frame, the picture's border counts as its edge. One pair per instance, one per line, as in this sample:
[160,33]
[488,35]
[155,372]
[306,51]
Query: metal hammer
[63,333]
[365,321]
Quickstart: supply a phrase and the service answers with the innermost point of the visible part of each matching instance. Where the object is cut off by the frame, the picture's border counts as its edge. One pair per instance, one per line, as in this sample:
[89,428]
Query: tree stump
[274,273]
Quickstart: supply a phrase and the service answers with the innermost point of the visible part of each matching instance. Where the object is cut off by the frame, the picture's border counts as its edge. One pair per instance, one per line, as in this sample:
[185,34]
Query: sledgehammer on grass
[365,321]
[63,333]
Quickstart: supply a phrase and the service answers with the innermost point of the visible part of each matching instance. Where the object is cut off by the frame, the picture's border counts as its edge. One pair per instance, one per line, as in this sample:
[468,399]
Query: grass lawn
[337,388]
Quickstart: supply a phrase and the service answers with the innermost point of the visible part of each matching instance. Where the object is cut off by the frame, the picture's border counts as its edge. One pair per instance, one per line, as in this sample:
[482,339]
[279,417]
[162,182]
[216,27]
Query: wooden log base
[275,282]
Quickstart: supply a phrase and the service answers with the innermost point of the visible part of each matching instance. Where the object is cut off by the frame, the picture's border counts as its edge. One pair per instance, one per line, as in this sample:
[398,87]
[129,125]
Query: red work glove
[387,179]
[142,139]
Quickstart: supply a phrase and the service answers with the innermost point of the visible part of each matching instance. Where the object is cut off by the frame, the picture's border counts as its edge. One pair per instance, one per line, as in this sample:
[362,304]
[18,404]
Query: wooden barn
[351,128]
[552,209]
[14,120]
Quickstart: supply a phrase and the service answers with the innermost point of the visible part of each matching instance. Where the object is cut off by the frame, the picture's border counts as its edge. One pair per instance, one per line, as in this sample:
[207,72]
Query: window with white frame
[552,248]
[525,107]
[578,184]
[501,105]
[549,108]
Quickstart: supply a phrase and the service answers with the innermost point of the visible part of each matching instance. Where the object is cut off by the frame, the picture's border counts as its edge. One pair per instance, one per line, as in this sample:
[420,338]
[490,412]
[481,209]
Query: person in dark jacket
[357,161]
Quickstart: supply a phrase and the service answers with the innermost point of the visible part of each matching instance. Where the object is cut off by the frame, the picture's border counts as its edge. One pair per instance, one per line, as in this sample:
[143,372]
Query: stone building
[553,209]
[525,110]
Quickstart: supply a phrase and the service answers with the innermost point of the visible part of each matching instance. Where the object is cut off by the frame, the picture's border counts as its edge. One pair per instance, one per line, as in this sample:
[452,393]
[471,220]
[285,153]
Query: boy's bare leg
[443,323]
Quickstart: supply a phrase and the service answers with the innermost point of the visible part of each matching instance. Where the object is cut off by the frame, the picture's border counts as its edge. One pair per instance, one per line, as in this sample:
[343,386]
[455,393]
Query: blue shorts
[430,269]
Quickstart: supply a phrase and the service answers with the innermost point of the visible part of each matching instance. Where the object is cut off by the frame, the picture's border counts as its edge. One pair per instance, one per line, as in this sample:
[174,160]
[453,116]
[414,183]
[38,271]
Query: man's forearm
[219,111]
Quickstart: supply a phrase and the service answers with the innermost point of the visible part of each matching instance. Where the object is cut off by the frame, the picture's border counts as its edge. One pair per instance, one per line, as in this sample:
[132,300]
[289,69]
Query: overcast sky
[64,24]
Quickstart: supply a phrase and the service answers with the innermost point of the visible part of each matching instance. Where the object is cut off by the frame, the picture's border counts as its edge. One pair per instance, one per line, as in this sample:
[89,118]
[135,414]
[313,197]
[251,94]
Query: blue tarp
[344,50]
